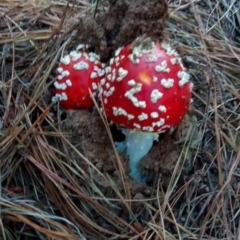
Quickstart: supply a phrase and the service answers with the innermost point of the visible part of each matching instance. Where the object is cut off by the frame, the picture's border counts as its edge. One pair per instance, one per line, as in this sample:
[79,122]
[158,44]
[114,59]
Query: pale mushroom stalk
[138,144]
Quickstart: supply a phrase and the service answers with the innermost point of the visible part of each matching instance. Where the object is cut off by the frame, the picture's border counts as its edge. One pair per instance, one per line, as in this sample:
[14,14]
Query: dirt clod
[123,22]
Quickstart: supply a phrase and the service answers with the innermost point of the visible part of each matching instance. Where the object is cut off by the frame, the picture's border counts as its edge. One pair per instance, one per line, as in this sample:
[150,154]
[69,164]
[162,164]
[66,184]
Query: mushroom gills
[138,145]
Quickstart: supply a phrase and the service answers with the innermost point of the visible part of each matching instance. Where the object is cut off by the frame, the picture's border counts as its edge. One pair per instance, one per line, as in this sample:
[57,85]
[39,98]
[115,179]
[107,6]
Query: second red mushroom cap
[78,72]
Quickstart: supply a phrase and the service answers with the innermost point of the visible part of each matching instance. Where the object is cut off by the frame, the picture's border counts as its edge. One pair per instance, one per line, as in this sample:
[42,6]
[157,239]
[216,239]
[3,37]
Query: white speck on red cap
[136,103]
[63,86]
[109,77]
[184,78]
[94,56]
[155,95]
[94,86]
[151,58]
[56,85]
[136,87]
[167,83]
[141,104]
[65,73]
[159,123]
[137,51]
[93,75]
[122,73]
[59,77]
[148,129]
[162,108]
[154,115]
[119,111]
[101,72]
[132,82]
[92,59]
[75,55]
[59,69]
[64,96]
[111,61]
[68,82]
[81,46]
[100,92]
[109,92]
[113,76]
[162,67]
[107,85]
[60,97]
[65,60]
[155,79]
[96,68]
[134,59]
[102,81]
[137,126]
[175,60]
[169,50]
[130,94]
[81,66]
[130,116]
[142,117]
[105,93]
[108,69]
[116,59]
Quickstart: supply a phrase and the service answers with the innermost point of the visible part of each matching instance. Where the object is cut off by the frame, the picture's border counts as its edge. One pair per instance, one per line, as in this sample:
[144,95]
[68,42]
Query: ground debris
[123,22]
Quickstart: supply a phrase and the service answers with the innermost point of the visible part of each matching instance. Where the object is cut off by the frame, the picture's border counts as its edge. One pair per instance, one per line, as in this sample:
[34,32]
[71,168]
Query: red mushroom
[147,91]
[77,73]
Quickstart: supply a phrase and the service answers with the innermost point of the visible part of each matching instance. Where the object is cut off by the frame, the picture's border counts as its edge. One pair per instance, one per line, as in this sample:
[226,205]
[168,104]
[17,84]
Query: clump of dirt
[89,135]
[172,149]
[123,22]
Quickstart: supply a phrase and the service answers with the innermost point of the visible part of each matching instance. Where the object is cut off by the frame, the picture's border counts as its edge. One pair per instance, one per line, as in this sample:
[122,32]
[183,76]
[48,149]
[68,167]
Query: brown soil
[123,22]
[88,134]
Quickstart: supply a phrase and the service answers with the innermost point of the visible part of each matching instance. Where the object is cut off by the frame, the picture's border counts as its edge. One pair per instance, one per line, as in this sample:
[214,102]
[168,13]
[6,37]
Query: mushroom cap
[146,87]
[77,72]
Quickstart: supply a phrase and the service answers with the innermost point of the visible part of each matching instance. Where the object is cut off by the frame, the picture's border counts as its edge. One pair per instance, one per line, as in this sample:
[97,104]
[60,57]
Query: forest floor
[61,176]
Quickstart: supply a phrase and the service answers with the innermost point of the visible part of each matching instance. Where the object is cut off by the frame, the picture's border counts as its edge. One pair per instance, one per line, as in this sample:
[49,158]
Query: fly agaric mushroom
[146,90]
[78,72]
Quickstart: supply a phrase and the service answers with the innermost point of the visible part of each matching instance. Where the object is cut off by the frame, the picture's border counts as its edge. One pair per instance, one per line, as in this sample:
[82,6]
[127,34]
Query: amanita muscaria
[78,72]
[146,90]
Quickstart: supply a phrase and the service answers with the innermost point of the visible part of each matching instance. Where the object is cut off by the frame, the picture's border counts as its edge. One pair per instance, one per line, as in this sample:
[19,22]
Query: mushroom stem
[138,145]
